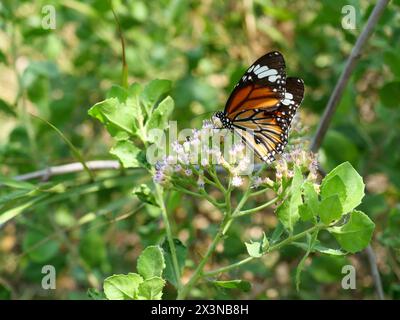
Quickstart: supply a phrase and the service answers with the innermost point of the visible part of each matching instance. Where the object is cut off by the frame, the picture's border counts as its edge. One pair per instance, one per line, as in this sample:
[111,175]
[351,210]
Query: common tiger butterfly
[262,105]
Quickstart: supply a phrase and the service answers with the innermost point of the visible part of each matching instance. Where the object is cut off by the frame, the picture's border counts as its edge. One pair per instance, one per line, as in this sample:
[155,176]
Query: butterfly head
[220,120]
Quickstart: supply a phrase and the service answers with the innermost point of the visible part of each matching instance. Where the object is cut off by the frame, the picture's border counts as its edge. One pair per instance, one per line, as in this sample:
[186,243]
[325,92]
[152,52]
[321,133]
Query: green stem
[201,195]
[199,270]
[258,192]
[223,229]
[214,175]
[170,239]
[249,211]
[279,245]
[124,78]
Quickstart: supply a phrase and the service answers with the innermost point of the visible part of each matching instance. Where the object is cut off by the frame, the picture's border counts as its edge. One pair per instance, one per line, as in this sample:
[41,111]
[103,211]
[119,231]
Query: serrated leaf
[154,92]
[119,118]
[129,154]
[254,249]
[151,262]
[288,211]
[354,235]
[118,92]
[330,209]
[332,186]
[305,212]
[311,197]
[159,117]
[151,289]
[353,182]
[122,286]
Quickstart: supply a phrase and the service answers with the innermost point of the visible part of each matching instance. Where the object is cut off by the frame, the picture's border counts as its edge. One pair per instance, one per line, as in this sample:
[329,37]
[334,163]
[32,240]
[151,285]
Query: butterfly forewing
[262,86]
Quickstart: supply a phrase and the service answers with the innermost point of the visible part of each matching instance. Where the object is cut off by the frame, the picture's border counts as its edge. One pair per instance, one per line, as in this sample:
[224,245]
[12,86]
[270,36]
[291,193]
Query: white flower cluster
[306,160]
[200,151]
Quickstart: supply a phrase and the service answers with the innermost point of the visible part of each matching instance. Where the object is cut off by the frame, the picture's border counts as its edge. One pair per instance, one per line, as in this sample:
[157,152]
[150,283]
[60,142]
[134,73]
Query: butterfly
[262,105]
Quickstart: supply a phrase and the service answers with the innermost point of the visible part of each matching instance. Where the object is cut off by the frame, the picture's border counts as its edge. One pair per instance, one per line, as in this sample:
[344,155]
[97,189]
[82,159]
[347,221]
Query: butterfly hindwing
[292,99]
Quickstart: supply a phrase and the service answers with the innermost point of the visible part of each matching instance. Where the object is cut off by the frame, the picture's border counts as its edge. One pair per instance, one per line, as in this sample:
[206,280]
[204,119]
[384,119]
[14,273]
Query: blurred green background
[90,230]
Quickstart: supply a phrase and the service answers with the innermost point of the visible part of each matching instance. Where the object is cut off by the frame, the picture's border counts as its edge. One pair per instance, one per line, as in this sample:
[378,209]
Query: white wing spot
[288,99]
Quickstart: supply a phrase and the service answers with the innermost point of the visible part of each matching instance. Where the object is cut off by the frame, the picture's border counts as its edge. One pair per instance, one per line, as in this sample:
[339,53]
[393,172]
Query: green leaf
[122,286]
[159,118]
[353,182]
[254,249]
[332,186]
[151,262]
[144,193]
[234,284]
[119,118]
[305,212]
[7,214]
[154,92]
[311,197]
[16,184]
[264,243]
[288,211]
[151,289]
[118,92]
[276,235]
[354,235]
[330,209]
[181,253]
[129,154]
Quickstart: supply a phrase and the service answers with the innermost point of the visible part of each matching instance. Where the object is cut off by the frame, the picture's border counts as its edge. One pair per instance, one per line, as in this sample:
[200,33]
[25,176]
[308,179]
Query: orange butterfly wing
[261,87]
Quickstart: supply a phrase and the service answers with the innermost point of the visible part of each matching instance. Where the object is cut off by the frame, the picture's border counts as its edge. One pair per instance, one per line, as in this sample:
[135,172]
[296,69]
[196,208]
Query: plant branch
[332,106]
[375,272]
[250,211]
[49,172]
[345,76]
[275,247]
[122,39]
[168,231]
[223,229]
